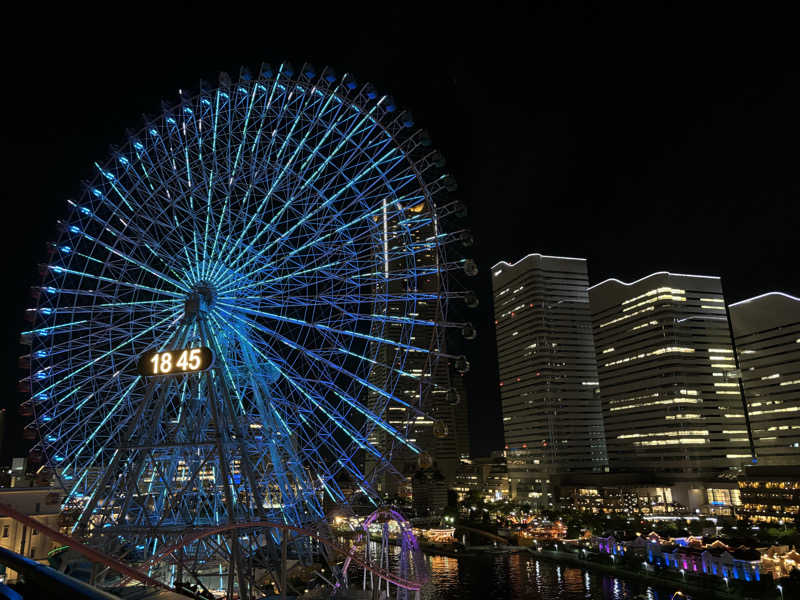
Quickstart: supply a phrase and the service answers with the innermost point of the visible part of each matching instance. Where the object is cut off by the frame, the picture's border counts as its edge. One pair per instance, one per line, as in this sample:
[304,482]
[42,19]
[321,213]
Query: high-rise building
[669,385]
[548,376]
[767,334]
[429,381]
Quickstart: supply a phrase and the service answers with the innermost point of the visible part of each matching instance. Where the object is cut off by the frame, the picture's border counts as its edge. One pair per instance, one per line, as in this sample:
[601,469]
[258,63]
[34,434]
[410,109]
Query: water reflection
[521,577]
[517,577]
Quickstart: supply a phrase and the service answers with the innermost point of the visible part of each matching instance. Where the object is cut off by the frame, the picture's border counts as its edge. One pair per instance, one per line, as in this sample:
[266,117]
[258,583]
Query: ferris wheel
[239,299]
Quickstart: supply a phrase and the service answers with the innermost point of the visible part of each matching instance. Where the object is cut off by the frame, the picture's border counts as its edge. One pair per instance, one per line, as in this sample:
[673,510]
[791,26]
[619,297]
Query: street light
[780,589]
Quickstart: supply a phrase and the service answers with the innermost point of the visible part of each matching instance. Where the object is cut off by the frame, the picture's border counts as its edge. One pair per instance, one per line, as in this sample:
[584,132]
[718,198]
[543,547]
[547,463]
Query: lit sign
[175,362]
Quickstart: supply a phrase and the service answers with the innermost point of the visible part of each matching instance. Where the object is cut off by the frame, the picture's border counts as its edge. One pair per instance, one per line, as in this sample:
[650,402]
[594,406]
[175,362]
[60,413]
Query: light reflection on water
[521,577]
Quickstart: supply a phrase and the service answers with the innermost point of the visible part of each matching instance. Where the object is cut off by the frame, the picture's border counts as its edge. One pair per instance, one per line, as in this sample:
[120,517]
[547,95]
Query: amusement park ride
[230,288]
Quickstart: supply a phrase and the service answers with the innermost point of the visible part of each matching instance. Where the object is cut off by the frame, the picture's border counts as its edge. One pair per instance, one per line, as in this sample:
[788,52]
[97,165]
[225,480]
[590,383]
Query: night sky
[659,139]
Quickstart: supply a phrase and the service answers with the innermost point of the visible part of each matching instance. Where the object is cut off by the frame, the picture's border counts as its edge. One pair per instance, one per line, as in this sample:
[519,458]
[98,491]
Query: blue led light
[275,224]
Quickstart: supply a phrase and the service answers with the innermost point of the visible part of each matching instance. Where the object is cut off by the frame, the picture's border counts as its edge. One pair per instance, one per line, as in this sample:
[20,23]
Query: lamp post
[780,589]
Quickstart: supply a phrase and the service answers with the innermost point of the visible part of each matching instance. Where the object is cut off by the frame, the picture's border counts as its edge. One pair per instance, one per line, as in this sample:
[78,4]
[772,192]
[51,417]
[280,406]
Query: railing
[42,581]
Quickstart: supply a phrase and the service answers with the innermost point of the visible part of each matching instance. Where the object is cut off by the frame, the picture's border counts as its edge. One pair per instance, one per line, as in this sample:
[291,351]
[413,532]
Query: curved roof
[502,262]
[626,283]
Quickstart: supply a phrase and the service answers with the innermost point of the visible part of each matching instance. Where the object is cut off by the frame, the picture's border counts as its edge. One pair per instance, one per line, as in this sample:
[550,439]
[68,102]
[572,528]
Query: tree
[695,527]
[452,499]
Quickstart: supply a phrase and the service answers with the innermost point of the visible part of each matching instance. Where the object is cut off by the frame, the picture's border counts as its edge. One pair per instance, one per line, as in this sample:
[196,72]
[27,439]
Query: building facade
[552,419]
[41,503]
[433,384]
[669,385]
[767,334]
[770,494]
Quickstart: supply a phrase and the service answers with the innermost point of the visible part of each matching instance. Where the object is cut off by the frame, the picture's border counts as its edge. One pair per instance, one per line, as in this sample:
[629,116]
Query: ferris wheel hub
[200,300]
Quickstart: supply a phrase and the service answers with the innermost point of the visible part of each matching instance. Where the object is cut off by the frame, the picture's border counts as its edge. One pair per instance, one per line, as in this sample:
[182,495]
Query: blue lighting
[281,224]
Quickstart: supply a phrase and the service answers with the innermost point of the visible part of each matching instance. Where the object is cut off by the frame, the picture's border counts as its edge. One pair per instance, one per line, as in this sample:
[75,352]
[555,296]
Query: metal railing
[42,581]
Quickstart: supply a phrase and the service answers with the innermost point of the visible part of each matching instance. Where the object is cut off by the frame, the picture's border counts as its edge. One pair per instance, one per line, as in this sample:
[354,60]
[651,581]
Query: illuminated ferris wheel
[229,311]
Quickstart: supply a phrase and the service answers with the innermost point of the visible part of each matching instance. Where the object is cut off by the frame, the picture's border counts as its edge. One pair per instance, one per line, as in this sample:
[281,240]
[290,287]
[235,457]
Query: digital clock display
[175,362]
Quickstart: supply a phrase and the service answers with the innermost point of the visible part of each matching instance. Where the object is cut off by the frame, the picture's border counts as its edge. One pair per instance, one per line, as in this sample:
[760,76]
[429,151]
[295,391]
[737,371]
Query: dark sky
[661,138]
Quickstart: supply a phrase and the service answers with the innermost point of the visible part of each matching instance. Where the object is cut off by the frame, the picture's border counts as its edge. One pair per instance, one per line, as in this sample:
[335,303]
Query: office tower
[766,330]
[548,375]
[668,382]
[432,383]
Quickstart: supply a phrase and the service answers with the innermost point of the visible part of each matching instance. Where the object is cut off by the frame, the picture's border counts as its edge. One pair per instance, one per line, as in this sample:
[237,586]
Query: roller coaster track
[198,534]
[81,548]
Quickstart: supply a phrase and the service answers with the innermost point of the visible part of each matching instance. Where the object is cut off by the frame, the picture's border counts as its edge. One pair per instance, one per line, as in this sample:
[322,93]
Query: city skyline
[624,135]
[346,299]
[687,395]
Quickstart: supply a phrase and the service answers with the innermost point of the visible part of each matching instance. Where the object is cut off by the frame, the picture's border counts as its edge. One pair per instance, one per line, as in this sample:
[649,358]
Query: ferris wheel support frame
[291,222]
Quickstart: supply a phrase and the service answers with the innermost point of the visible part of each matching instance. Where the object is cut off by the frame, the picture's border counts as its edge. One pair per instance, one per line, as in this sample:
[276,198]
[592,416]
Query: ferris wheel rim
[424,186]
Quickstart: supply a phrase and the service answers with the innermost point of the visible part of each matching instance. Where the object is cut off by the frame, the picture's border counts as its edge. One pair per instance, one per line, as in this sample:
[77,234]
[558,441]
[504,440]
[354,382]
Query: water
[522,577]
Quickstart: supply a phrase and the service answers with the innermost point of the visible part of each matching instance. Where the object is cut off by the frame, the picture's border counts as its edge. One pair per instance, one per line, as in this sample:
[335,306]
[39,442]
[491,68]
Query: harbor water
[520,576]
